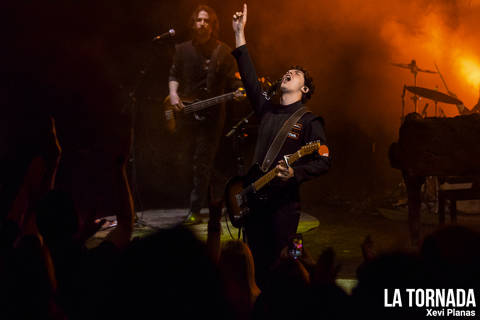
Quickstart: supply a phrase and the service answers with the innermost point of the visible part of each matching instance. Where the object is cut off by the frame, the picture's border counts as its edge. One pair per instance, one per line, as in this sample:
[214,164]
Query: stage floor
[150,220]
[341,227]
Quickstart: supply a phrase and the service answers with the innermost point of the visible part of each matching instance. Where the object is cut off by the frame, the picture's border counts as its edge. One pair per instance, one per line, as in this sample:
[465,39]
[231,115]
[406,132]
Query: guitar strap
[213,67]
[281,136]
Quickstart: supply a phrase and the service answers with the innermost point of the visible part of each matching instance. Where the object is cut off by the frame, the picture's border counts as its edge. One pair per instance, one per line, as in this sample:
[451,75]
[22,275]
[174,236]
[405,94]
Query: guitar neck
[200,105]
[269,176]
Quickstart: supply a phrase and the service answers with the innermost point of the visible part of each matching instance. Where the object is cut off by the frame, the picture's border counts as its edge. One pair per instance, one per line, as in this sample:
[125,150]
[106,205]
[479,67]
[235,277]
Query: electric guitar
[192,105]
[242,191]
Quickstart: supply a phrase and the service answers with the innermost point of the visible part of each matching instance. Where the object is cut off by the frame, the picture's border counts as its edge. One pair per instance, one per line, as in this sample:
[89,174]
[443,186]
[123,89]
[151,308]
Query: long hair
[238,271]
[211,15]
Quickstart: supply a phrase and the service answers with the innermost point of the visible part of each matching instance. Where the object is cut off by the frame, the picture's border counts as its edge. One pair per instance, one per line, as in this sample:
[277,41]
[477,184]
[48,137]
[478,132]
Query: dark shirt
[272,116]
[203,71]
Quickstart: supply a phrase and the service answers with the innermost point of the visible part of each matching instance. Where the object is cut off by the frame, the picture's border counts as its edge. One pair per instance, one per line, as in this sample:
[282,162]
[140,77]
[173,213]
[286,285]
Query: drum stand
[415,97]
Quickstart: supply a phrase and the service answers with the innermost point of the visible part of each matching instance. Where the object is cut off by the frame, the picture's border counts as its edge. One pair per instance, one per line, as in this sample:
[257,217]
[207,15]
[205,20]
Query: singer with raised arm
[203,69]
[284,129]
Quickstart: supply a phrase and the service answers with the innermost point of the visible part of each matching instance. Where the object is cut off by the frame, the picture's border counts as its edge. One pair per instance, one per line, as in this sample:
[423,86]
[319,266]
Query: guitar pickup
[240,200]
[169,114]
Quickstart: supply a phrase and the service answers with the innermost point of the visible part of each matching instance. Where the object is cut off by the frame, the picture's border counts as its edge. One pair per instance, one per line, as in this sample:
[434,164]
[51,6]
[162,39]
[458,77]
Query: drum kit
[420,92]
[431,187]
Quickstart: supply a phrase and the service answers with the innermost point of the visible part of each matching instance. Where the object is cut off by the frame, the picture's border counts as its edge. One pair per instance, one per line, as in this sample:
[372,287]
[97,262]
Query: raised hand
[214,227]
[326,270]
[215,206]
[239,20]
[368,249]
[238,23]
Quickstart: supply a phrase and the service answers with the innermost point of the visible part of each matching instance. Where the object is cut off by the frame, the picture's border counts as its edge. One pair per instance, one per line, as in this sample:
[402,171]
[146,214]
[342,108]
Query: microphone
[169,33]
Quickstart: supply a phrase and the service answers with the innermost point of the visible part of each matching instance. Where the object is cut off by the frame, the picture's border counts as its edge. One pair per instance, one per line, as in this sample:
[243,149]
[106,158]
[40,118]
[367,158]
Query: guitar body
[244,193]
[240,196]
[170,113]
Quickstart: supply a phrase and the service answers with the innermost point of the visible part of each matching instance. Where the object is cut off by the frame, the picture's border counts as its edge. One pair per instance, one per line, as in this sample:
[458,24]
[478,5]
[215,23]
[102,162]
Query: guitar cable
[228,228]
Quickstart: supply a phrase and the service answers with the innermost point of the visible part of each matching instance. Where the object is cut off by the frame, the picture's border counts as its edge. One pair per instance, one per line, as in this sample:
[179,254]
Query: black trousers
[206,137]
[268,228]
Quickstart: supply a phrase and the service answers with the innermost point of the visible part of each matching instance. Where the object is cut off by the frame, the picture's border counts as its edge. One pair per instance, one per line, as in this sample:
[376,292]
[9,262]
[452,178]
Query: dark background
[80,61]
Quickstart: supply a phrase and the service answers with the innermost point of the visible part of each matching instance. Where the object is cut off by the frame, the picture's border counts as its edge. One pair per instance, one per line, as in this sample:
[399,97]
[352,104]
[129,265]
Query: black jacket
[272,116]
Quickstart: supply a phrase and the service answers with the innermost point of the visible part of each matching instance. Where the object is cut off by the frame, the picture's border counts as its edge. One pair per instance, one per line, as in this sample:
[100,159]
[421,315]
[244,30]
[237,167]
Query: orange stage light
[470,68]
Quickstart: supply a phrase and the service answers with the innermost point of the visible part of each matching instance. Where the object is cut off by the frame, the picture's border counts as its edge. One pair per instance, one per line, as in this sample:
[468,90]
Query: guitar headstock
[313,146]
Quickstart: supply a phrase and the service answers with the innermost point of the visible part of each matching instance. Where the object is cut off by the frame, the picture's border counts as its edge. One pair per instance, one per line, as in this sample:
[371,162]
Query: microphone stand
[132,159]
[239,136]
[140,81]
[238,125]
[237,132]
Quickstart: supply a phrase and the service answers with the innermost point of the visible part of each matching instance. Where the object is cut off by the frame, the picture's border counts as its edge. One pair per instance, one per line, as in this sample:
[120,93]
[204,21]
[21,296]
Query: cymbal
[412,66]
[433,95]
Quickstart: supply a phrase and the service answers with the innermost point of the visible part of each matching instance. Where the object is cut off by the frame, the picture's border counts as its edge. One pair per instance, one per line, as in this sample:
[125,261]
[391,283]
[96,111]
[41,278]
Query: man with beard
[202,68]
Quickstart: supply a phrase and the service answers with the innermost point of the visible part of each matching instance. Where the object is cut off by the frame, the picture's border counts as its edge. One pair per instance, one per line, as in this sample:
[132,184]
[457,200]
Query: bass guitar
[192,105]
